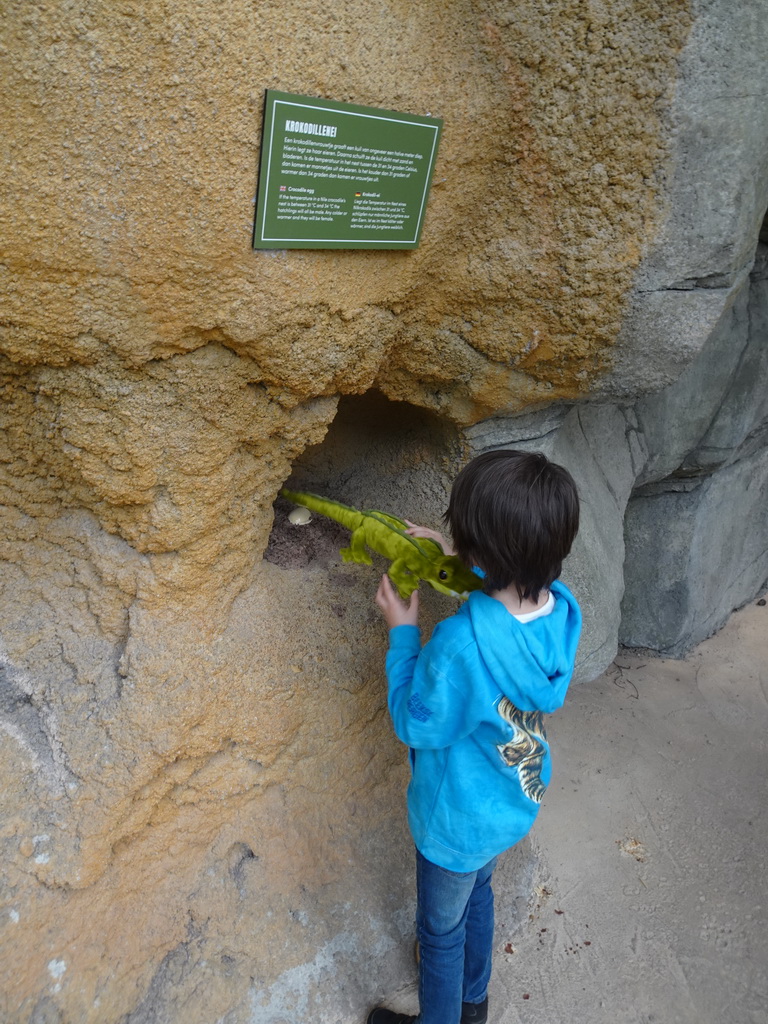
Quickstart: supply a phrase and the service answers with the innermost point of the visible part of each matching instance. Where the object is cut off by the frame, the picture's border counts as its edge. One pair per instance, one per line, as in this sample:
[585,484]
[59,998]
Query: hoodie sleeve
[428,709]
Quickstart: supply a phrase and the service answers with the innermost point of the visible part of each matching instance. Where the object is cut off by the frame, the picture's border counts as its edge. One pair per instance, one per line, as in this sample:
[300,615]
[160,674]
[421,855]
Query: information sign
[340,176]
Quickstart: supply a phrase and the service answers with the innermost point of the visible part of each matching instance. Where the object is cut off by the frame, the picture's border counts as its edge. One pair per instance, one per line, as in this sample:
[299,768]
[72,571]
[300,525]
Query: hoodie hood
[531,662]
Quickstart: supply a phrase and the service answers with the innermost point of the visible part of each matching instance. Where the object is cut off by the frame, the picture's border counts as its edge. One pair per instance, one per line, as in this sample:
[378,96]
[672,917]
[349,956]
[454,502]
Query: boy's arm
[428,711]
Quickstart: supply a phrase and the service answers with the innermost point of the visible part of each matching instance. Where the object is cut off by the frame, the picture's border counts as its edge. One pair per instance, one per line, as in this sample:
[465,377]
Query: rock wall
[202,799]
[700,503]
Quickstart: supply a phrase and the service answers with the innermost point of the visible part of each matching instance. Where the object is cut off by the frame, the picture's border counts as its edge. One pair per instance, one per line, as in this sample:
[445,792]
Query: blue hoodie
[469,705]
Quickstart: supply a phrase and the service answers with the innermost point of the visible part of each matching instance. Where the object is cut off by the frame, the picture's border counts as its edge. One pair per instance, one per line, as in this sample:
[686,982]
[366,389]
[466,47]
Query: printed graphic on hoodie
[526,748]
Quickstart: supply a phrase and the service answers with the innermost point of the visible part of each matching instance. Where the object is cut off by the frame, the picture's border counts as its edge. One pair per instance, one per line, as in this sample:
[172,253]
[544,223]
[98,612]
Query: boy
[469,705]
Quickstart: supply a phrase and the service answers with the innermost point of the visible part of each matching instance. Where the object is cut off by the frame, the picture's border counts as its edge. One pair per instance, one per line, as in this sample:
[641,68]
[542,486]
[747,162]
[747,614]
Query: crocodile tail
[344,514]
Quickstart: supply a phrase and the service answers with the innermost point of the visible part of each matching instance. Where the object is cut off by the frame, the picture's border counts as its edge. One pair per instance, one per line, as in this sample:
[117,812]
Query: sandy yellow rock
[132,233]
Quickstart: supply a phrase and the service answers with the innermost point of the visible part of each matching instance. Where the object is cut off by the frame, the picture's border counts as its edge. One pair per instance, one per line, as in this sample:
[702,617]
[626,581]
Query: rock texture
[716,183]
[201,796]
[133,142]
[706,519]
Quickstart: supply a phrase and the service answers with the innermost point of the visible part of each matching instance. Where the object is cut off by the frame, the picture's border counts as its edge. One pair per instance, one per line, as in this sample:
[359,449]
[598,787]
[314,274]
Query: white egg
[300,516]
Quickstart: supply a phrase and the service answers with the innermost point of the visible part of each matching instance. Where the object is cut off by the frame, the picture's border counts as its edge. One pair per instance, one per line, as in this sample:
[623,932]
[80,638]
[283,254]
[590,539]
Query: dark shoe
[382,1016]
[474,1013]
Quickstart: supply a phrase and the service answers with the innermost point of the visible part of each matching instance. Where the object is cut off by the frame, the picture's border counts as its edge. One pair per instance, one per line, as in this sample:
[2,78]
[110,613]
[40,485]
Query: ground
[650,900]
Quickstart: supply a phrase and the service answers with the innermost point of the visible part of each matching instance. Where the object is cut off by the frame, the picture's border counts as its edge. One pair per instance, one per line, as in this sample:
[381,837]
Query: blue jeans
[454,925]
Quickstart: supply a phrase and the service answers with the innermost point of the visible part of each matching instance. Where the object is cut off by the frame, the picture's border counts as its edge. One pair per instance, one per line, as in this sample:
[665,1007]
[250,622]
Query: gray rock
[716,188]
[697,531]
[743,412]
[696,550]
[718,176]
[675,421]
[508,431]
[663,333]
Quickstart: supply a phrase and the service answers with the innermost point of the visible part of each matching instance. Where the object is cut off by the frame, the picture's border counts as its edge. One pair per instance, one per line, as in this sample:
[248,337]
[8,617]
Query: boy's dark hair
[514,515]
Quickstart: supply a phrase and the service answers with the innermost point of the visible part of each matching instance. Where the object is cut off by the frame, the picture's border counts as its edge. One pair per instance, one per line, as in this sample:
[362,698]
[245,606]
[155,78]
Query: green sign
[339,176]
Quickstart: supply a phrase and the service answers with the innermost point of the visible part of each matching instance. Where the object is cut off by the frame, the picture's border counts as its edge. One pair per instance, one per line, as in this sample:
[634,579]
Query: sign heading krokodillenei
[340,176]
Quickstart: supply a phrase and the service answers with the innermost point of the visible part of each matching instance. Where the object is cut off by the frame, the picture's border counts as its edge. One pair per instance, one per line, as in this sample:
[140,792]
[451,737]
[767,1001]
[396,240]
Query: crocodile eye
[443,574]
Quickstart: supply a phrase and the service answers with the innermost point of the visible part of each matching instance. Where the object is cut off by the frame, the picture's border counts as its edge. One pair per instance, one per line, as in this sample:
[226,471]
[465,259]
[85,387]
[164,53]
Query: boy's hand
[395,610]
[423,531]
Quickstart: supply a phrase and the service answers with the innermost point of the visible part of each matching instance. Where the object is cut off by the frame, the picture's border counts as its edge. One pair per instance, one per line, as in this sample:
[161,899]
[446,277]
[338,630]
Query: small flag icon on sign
[282,188]
[358,194]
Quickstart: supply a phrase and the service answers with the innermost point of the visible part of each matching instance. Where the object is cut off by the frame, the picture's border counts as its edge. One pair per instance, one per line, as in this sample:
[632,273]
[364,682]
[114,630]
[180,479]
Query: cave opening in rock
[379,454]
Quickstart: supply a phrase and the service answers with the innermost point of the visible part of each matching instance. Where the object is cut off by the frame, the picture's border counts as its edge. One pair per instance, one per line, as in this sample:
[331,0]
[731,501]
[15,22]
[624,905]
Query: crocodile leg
[404,580]
[356,552]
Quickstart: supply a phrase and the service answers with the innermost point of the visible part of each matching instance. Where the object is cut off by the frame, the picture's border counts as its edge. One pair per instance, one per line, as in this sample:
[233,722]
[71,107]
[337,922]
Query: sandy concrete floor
[652,896]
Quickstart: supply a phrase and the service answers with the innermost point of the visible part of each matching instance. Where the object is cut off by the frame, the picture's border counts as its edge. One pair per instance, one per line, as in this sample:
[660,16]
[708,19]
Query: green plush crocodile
[413,558]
